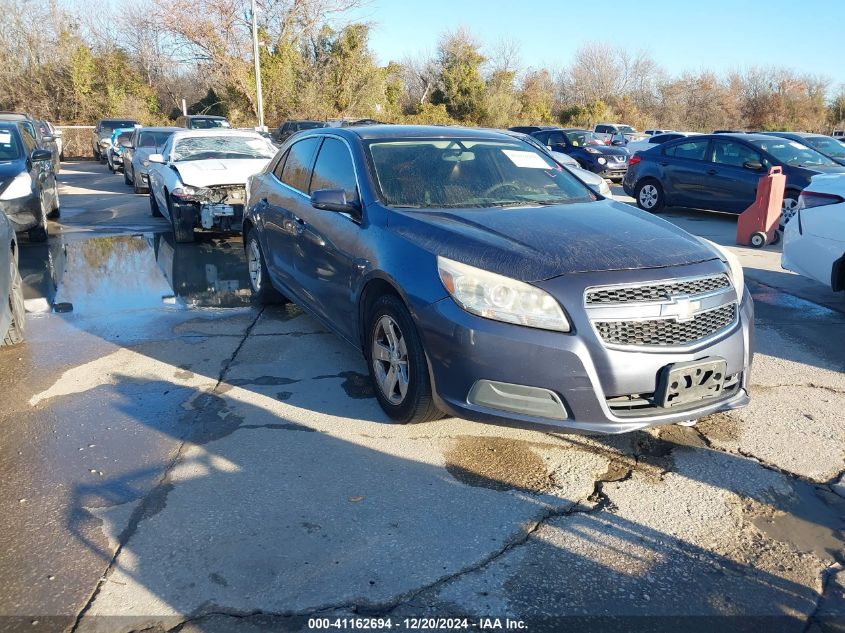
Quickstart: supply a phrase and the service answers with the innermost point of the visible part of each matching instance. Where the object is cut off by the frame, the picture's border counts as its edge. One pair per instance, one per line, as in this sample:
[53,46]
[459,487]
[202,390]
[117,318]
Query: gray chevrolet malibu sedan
[482,280]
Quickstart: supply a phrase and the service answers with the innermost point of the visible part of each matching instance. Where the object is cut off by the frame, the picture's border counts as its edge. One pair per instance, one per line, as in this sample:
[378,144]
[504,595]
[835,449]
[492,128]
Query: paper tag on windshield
[526,159]
[5,138]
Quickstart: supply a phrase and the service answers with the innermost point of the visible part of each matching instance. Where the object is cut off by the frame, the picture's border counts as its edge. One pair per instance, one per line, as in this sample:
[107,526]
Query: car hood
[203,173]
[610,150]
[538,243]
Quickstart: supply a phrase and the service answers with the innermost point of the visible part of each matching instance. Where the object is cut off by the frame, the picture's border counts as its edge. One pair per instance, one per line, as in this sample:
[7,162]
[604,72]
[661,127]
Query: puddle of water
[498,464]
[104,275]
[807,309]
[813,521]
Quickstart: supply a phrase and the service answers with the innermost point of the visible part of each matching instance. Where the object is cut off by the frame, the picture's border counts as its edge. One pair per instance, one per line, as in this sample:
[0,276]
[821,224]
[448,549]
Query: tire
[775,238]
[38,234]
[387,353]
[259,277]
[789,207]
[137,189]
[126,180]
[15,334]
[649,196]
[55,214]
[182,233]
[96,154]
[154,210]
[758,239]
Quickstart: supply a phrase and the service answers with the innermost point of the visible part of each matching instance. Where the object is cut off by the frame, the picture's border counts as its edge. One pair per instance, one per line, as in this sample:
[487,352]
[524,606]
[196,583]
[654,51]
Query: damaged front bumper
[212,208]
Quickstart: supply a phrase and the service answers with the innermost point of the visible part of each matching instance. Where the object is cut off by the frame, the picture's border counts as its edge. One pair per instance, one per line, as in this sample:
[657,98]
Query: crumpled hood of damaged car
[204,173]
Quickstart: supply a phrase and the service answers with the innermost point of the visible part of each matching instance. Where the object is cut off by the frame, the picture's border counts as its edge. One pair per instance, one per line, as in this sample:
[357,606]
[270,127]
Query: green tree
[462,88]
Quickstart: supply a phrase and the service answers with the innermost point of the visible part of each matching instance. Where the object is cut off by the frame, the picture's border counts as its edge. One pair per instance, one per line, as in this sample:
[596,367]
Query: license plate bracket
[685,383]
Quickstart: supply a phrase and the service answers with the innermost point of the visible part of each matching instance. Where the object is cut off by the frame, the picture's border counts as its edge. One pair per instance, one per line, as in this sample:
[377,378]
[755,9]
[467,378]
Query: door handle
[712,172]
[299,220]
[664,164]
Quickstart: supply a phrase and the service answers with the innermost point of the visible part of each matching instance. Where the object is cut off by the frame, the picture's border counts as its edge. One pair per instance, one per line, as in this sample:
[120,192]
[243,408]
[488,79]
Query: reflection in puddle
[102,275]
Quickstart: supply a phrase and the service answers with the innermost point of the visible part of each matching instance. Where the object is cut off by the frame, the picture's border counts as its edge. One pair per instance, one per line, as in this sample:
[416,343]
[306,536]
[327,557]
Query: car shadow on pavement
[260,514]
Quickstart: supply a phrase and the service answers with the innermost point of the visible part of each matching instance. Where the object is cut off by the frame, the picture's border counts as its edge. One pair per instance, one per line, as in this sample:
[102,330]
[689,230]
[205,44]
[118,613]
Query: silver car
[144,142]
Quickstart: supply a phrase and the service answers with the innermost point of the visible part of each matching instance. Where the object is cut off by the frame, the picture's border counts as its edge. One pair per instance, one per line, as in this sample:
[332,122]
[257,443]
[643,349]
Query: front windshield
[9,147]
[204,124]
[222,147]
[582,138]
[826,145]
[153,140]
[465,173]
[794,154]
[111,126]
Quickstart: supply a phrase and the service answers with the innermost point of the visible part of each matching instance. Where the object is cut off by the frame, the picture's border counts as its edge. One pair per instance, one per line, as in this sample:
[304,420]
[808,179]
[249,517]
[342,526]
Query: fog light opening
[520,399]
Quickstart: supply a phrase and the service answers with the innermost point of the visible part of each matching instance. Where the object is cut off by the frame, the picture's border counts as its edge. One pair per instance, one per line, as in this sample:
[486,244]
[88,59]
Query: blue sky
[720,35]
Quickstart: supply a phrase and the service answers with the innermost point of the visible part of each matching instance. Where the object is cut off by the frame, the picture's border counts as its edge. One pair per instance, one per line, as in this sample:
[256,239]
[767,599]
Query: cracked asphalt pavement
[177,458]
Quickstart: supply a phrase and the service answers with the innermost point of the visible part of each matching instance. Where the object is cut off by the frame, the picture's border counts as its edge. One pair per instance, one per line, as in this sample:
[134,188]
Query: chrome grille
[658,291]
[667,332]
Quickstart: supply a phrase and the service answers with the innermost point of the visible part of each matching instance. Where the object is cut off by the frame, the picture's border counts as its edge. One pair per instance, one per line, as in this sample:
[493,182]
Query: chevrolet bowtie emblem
[681,307]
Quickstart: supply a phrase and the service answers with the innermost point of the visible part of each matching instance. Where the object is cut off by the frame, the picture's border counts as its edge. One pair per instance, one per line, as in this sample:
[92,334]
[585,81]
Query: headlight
[601,160]
[184,192]
[19,187]
[500,298]
[104,142]
[592,150]
[736,272]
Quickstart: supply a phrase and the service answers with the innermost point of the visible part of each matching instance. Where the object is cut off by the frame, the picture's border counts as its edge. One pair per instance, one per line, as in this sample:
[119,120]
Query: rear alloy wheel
[16,327]
[259,278]
[649,196]
[397,363]
[788,208]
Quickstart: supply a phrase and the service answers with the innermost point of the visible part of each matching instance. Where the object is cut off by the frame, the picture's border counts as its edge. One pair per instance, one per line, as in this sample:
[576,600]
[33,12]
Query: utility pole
[259,97]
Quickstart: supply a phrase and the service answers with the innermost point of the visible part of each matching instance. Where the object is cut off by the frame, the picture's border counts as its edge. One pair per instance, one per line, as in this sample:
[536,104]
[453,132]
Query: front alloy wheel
[788,208]
[390,360]
[397,363]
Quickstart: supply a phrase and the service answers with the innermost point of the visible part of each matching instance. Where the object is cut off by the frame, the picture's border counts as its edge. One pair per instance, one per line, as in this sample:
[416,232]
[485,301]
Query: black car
[481,279]
[28,190]
[591,153]
[12,317]
[530,129]
[288,128]
[40,131]
[721,172]
[826,145]
[101,136]
[202,122]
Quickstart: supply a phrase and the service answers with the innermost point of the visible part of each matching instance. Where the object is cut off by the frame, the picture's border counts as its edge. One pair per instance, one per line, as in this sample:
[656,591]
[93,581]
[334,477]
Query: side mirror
[48,139]
[40,155]
[333,200]
[156,158]
[755,165]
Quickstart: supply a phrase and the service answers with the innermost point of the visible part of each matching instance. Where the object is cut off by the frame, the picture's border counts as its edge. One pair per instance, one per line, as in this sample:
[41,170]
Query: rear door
[684,173]
[285,201]
[733,179]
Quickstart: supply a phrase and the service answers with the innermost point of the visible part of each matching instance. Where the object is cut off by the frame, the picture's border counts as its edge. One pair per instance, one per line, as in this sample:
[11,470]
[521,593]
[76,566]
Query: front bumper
[190,215]
[575,367]
[24,213]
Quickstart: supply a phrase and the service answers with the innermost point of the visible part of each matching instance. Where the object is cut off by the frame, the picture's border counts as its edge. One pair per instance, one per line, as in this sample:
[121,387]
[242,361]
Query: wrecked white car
[199,179]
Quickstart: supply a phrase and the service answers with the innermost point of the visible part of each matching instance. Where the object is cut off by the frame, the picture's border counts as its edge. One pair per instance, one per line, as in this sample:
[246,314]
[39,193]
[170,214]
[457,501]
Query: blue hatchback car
[481,279]
[721,172]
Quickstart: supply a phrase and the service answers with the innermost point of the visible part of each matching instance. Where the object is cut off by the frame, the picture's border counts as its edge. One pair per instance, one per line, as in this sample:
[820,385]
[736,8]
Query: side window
[297,170]
[691,150]
[334,169]
[28,141]
[277,170]
[734,154]
[601,129]
[555,138]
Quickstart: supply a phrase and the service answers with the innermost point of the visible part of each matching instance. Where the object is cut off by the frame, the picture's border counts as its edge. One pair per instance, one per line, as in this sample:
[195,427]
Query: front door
[734,175]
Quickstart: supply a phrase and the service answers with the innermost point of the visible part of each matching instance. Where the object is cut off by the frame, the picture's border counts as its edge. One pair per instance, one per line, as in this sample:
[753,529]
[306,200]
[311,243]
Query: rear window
[10,148]
[153,139]
[691,150]
[111,126]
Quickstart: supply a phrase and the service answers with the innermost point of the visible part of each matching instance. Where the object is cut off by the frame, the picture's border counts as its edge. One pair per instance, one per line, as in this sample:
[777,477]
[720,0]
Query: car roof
[203,116]
[159,129]
[9,124]
[389,131]
[185,133]
[118,118]
[15,116]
